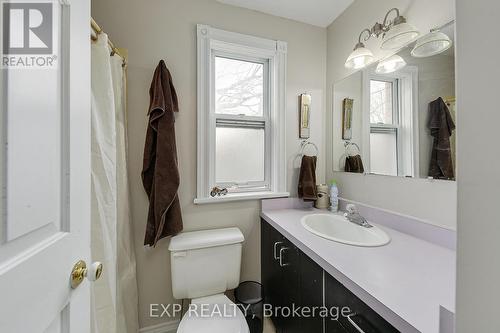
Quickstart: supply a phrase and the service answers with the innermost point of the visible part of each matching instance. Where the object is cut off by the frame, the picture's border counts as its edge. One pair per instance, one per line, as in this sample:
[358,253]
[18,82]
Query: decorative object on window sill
[390,65]
[303,146]
[305,115]
[347,105]
[216,191]
[395,34]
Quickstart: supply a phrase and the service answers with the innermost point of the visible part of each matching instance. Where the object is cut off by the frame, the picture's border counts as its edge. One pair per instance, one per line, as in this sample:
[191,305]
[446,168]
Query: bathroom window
[392,141]
[241,117]
[241,107]
[384,126]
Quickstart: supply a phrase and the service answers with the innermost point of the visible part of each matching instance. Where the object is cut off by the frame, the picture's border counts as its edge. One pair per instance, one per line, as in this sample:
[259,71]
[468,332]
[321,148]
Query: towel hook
[306,143]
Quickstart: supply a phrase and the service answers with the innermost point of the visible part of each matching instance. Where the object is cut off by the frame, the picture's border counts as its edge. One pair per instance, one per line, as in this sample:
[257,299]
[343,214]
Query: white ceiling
[316,12]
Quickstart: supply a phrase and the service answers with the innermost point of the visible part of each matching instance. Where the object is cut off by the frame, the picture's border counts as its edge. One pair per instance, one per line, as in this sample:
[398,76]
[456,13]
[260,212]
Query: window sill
[241,197]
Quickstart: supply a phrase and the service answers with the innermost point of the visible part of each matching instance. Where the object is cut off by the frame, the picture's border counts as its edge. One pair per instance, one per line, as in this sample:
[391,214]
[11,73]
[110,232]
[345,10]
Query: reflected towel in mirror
[354,164]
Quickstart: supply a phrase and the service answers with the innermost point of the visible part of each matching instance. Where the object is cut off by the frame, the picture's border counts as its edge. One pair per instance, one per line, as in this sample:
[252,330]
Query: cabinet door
[311,293]
[336,295]
[289,261]
[271,243]
[290,279]
[266,259]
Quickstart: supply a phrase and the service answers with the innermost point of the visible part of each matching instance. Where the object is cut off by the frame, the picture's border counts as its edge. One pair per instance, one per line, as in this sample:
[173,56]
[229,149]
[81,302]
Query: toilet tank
[205,263]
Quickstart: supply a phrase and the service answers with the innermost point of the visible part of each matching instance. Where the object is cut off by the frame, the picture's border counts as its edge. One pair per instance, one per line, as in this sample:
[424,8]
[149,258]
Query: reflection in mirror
[400,115]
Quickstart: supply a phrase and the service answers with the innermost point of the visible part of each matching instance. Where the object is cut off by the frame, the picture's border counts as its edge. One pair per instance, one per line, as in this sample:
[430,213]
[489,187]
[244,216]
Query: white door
[45,165]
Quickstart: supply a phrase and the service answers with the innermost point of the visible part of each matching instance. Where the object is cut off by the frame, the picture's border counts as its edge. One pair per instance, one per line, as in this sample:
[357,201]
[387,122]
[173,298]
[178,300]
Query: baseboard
[167,327]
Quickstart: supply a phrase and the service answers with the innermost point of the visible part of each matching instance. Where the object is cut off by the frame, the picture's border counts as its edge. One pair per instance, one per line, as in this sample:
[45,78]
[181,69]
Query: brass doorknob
[80,271]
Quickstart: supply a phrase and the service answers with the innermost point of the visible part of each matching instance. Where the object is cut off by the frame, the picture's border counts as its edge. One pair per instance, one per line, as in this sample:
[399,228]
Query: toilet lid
[213,314]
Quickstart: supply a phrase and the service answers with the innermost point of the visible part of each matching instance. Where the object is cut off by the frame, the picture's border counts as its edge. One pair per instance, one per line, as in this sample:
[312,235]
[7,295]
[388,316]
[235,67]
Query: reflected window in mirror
[391,135]
[384,127]
[383,103]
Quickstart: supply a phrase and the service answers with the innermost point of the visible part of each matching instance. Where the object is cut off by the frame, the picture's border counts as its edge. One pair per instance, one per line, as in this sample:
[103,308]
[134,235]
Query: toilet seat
[213,314]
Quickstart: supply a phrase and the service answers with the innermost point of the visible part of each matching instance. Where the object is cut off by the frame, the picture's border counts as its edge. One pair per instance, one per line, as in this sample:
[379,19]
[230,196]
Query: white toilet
[204,265]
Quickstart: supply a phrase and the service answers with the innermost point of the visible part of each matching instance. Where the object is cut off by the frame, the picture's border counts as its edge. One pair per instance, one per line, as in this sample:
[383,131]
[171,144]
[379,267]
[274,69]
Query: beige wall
[166,29]
[430,201]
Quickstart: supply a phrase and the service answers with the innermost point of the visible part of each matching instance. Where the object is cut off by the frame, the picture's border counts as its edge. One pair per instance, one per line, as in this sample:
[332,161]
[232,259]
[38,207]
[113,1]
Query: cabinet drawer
[336,295]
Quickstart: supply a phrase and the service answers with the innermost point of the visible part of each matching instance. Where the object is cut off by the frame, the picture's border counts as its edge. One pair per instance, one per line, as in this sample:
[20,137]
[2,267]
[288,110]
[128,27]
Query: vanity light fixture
[390,65]
[360,57]
[395,34]
[399,33]
[431,44]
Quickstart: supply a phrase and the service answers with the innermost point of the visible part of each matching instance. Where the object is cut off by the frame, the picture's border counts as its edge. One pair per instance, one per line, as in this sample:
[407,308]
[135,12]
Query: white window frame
[396,116]
[211,43]
[406,127]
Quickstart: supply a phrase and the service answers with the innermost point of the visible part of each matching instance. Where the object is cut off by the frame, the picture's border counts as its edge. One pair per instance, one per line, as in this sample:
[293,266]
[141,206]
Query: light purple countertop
[405,281]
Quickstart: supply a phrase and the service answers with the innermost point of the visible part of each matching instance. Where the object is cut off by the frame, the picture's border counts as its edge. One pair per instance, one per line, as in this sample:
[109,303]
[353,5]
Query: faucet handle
[351,208]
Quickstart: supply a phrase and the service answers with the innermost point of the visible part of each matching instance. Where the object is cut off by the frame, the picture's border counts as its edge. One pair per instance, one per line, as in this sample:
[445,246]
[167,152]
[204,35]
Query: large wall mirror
[396,117]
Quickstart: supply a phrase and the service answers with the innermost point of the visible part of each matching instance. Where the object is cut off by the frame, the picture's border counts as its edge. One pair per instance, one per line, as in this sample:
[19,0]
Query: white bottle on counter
[334,196]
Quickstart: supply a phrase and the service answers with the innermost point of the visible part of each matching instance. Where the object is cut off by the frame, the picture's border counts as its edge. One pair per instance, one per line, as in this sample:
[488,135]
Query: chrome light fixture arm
[397,20]
[381,28]
[360,42]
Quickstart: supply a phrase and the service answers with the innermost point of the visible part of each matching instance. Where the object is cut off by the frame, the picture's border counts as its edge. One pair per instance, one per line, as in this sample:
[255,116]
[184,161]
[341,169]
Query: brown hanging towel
[160,174]
[307,179]
[354,164]
[441,126]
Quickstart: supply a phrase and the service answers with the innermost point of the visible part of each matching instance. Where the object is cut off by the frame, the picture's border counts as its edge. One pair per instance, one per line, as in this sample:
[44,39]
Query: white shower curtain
[114,296]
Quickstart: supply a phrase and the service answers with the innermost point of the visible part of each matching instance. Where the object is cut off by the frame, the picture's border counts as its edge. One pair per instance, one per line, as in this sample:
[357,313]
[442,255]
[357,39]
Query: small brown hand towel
[354,164]
[307,179]
[160,174]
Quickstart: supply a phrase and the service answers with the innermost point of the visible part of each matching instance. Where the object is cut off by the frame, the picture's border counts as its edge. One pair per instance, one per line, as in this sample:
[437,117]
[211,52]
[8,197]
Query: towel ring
[305,143]
[342,159]
[348,144]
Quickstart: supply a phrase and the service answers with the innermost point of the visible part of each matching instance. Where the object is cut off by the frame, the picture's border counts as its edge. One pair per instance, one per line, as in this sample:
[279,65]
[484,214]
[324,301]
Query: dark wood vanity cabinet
[336,295]
[290,277]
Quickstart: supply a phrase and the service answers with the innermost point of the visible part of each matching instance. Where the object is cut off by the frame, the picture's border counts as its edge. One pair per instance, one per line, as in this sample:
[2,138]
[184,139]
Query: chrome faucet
[353,216]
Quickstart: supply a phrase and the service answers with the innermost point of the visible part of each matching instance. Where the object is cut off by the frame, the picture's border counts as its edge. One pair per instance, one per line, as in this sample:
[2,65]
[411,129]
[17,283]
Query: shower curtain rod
[97,30]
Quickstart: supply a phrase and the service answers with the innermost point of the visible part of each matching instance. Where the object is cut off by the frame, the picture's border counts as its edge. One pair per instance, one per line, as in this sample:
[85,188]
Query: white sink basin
[337,228]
